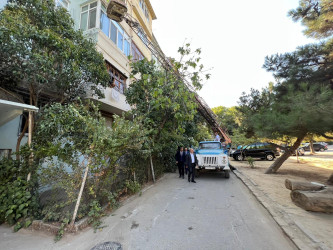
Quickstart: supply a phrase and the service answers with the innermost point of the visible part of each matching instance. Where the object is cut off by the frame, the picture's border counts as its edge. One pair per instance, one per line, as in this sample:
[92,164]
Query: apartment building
[116,41]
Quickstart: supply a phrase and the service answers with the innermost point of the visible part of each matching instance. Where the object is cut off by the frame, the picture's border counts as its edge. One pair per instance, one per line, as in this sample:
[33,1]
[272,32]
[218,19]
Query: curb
[295,232]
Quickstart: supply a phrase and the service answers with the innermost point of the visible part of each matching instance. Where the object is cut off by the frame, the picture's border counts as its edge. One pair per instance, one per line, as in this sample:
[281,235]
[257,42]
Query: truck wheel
[239,157]
[227,174]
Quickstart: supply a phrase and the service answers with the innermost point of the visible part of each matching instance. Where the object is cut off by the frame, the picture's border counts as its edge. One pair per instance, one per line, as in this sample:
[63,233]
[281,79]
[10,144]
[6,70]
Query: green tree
[44,57]
[228,118]
[316,15]
[301,110]
[42,52]
[72,141]
[164,100]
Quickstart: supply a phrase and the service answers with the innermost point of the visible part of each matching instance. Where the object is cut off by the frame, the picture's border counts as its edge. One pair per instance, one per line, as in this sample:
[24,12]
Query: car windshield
[211,145]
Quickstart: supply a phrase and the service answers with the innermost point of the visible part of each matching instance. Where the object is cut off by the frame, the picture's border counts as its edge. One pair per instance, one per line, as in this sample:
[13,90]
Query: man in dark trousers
[186,153]
[180,160]
[191,162]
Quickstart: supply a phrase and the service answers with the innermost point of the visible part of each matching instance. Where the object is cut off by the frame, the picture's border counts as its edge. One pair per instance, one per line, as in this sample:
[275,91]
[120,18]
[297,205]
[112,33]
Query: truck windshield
[211,145]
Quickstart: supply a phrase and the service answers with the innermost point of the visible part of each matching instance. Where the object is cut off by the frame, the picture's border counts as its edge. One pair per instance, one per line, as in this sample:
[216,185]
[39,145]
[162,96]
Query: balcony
[116,10]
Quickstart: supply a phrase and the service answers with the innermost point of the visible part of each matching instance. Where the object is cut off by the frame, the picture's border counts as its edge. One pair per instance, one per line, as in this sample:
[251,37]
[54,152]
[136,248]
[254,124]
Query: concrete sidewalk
[296,227]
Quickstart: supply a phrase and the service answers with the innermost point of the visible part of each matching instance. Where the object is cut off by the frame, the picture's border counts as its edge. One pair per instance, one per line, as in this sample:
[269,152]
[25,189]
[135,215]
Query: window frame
[117,78]
[88,11]
[119,31]
[135,48]
[144,9]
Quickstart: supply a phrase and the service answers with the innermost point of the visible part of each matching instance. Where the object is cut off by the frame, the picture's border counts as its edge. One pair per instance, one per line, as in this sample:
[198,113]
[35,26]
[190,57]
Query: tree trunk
[311,147]
[279,161]
[301,185]
[330,180]
[152,168]
[71,226]
[321,201]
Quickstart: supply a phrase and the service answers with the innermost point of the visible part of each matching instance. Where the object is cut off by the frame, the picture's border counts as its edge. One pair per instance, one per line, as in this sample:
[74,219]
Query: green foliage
[61,230]
[298,112]
[95,214]
[250,161]
[316,15]
[228,118]
[18,197]
[67,138]
[166,105]
[240,138]
[310,63]
[41,50]
[132,186]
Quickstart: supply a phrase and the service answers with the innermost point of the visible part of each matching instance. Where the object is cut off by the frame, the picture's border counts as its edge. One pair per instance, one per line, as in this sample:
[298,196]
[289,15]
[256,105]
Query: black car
[317,146]
[300,150]
[263,150]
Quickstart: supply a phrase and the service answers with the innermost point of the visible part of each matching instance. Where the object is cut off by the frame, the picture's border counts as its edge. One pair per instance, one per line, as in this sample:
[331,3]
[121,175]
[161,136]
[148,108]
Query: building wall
[109,49]
[9,135]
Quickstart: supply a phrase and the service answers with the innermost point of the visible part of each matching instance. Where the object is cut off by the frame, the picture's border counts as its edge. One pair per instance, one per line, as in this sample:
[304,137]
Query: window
[88,16]
[115,32]
[211,145]
[117,79]
[252,146]
[136,53]
[144,9]
[24,118]
[105,22]
[260,145]
[62,3]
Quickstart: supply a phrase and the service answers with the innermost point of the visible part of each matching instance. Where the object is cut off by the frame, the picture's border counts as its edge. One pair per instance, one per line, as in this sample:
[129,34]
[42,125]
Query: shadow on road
[211,175]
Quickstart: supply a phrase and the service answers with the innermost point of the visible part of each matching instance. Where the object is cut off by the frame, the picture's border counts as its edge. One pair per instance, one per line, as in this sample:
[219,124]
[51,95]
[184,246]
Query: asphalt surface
[214,213]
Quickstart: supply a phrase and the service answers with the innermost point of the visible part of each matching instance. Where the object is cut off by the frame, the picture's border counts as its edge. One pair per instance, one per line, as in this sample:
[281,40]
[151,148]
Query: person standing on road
[180,160]
[186,153]
[191,162]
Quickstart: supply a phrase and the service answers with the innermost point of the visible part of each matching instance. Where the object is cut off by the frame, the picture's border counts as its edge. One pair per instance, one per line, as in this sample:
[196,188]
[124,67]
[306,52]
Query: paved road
[214,213]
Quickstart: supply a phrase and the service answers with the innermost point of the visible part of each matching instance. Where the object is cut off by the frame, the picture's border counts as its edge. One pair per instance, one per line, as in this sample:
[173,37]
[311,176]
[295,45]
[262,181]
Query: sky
[235,36]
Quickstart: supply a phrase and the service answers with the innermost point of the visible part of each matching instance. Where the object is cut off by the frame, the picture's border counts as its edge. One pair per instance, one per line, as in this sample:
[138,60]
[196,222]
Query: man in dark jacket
[186,153]
[180,160]
[191,162]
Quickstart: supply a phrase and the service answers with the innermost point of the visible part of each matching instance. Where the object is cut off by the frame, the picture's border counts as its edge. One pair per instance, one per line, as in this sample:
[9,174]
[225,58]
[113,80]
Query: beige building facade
[116,41]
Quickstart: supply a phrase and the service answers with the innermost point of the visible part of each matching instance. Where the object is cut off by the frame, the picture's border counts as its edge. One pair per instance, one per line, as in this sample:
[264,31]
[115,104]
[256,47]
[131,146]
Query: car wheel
[227,174]
[269,157]
[239,157]
[321,150]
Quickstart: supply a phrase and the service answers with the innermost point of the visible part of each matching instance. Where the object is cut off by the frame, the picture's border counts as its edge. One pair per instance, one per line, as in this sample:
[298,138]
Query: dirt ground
[317,168]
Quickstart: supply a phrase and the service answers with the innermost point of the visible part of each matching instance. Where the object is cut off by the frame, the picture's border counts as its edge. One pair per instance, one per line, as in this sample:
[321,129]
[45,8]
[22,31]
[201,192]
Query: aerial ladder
[117,11]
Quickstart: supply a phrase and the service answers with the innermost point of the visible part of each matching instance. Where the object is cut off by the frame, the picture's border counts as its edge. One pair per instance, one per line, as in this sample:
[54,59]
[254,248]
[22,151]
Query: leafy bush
[18,197]
[132,186]
[250,161]
[72,138]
